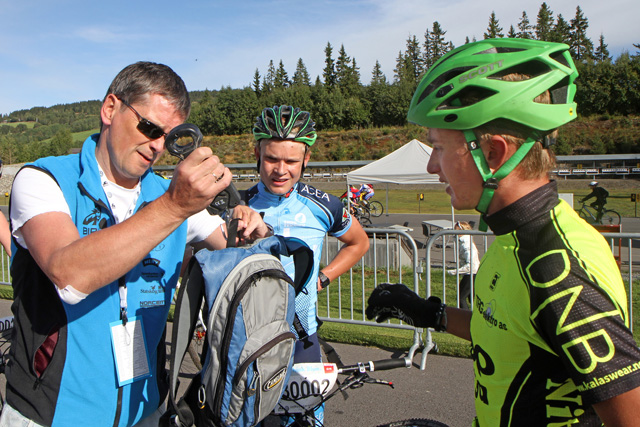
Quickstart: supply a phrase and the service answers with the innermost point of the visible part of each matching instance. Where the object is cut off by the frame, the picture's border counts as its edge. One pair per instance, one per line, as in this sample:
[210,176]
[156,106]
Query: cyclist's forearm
[459,322]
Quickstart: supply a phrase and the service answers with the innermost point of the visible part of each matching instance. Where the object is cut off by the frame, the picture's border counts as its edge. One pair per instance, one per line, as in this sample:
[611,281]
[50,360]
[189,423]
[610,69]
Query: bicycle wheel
[610,218]
[376,209]
[364,221]
[417,422]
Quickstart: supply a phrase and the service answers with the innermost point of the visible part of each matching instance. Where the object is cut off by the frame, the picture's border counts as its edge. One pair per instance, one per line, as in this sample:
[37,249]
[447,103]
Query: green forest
[360,120]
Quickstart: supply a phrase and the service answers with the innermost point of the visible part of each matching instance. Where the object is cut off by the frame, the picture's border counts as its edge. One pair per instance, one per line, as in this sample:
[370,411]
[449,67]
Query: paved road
[444,391]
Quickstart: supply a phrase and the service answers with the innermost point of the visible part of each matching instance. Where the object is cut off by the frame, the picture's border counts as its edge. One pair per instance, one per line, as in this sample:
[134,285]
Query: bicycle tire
[376,209]
[416,422]
[610,217]
[364,221]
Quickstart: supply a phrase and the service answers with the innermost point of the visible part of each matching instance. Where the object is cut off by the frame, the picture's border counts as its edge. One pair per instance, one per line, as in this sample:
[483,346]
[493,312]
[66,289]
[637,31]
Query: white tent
[406,165]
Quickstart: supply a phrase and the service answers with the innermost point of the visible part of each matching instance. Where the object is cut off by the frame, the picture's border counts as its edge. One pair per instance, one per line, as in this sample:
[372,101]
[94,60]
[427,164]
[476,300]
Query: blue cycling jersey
[308,214]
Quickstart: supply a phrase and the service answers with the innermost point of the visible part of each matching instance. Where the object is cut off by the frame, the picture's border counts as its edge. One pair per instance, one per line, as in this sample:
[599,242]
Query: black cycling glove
[398,301]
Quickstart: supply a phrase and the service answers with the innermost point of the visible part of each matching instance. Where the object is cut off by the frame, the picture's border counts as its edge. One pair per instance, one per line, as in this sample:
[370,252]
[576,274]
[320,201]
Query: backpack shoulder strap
[187,306]
[302,258]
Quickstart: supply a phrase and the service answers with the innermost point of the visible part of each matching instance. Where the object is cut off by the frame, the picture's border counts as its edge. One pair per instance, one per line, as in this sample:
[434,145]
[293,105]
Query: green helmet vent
[285,122]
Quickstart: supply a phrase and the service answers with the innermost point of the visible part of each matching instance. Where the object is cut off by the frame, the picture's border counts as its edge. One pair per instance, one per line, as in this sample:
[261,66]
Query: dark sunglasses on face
[145,126]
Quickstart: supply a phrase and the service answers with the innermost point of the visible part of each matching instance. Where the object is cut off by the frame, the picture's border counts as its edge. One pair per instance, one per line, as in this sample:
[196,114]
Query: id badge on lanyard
[129,344]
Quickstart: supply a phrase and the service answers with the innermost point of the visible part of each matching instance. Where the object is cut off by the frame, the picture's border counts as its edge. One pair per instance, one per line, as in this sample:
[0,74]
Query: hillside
[595,135]
[30,134]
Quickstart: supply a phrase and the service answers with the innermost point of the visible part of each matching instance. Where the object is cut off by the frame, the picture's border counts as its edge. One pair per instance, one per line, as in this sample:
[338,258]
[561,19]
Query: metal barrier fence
[621,246]
[390,250]
[393,249]
[5,278]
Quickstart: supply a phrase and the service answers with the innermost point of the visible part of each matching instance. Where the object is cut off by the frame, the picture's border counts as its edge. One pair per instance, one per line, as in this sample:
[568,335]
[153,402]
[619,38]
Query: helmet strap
[490,179]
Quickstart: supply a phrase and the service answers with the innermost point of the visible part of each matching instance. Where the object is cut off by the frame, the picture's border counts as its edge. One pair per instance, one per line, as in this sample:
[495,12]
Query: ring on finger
[218,178]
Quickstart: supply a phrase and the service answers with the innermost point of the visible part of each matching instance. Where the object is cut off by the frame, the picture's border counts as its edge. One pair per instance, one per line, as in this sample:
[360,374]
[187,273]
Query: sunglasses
[145,126]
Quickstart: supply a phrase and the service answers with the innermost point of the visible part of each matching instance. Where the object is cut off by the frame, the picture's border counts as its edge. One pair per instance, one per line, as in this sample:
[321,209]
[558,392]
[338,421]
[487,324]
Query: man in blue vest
[99,243]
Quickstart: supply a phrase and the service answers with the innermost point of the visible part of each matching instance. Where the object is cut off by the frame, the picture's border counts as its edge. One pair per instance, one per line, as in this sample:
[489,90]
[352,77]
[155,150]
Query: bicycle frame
[588,210]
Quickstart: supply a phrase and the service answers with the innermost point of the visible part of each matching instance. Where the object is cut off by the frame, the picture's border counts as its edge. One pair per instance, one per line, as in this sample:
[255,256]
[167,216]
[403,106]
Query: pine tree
[281,77]
[602,52]
[301,76]
[494,30]
[377,76]
[512,33]
[524,27]
[561,32]
[329,72]
[544,24]
[269,78]
[438,44]
[427,53]
[581,45]
[256,82]
[400,70]
[414,58]
[355,73]
[343,67]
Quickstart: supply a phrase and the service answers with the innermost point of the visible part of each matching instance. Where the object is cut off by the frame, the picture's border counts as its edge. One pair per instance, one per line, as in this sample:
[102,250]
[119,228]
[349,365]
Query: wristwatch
[324,280]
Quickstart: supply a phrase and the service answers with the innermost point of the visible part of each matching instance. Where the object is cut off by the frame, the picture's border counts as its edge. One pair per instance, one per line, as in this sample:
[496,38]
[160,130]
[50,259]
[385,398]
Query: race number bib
[308,382]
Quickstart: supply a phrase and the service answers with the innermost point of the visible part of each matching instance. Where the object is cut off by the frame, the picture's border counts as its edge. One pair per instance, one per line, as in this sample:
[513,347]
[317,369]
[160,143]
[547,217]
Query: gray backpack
[249,311]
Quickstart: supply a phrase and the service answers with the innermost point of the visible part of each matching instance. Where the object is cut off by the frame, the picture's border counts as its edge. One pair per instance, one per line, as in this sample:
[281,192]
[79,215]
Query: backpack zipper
[266,347]
[226,340]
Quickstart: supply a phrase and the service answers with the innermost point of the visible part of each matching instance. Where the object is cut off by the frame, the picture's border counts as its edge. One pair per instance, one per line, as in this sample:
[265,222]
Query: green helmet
[465,89]
[285,122]
[477,69]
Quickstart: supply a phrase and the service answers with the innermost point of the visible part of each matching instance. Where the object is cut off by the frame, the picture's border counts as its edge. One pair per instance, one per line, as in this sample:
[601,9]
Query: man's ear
[498,152]
[307,156]
[108,109]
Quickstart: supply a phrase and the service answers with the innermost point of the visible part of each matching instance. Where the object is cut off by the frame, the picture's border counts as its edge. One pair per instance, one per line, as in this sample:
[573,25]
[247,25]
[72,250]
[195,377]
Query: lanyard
[122,291]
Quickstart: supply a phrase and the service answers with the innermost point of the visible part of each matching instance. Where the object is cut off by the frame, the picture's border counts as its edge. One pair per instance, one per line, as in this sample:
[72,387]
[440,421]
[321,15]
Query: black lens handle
[228,198]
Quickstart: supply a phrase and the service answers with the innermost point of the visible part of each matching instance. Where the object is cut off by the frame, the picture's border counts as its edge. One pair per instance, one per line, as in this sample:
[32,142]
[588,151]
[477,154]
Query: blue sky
[63,51]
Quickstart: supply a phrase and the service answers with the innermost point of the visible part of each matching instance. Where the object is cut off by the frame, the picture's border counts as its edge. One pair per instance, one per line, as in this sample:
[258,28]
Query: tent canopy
[406,165]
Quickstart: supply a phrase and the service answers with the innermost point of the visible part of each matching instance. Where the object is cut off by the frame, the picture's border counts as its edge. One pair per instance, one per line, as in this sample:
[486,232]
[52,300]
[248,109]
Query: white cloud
[215,44]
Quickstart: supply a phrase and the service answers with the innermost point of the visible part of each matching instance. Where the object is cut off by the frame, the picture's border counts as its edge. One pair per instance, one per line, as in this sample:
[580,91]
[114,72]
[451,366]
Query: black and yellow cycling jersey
[549,328]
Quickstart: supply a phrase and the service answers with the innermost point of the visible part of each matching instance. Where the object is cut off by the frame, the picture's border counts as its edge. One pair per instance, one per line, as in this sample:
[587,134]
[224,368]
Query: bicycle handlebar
[377,365]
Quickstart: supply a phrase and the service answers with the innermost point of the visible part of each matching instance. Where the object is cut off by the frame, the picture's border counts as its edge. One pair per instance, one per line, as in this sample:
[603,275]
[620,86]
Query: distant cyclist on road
[549,323]
[601,198]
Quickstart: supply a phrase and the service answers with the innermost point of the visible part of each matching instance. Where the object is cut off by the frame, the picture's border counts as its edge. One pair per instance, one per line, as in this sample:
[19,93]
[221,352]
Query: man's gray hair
[141,79]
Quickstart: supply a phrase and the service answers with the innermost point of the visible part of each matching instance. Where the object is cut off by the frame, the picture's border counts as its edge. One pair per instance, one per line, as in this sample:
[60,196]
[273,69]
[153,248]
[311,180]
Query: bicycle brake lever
[370,380]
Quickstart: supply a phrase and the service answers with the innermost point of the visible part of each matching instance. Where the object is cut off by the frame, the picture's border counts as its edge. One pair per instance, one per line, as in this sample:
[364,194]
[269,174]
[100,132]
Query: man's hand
[251,226]
[197,180]
[398,301]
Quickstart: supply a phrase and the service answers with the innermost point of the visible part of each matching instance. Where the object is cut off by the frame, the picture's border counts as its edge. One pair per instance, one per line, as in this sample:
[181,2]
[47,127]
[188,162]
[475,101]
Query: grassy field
[436,201]
[29,125]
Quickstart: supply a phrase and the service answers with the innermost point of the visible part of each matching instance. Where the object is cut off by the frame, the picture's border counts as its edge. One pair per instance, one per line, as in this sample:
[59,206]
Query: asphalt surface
[443,391]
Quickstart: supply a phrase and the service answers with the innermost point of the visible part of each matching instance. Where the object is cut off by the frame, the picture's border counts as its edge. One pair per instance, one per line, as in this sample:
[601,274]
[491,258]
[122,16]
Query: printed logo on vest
[494,281]
[95,221]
